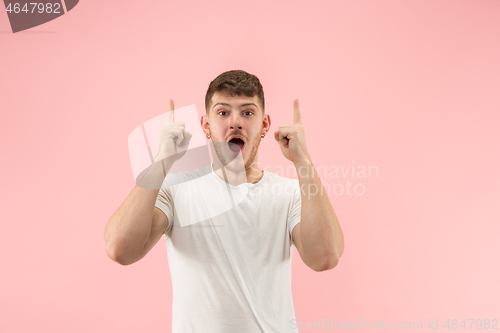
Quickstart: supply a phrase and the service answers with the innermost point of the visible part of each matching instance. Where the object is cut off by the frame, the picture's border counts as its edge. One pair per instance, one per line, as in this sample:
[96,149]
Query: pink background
[410,87]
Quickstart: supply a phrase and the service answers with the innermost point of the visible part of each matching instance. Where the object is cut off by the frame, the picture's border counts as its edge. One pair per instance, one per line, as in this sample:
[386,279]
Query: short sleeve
[164,202]
[295,207]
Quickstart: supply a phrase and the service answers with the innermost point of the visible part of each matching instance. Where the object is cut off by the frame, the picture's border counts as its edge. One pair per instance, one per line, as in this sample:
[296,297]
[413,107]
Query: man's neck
[251,175]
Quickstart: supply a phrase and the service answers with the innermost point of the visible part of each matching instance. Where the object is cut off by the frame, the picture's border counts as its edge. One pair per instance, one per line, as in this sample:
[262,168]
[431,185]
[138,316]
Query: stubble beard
[219,149]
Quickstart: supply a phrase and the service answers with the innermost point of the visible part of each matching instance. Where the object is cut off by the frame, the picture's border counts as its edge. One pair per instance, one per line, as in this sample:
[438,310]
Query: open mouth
[236,144]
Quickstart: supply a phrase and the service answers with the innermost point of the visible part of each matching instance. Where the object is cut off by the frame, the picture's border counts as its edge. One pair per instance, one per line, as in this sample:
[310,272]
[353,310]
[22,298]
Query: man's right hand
[174,139]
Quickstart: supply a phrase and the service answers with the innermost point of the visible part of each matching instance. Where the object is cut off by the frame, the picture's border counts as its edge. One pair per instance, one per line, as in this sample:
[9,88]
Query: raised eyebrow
[247,104]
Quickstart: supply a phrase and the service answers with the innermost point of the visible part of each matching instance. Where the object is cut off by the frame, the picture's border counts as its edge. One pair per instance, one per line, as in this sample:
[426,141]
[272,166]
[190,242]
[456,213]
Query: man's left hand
[292,139]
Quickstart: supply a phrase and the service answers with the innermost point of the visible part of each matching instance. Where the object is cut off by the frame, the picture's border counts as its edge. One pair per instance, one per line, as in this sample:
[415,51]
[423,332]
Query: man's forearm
[320,233]
[128,229]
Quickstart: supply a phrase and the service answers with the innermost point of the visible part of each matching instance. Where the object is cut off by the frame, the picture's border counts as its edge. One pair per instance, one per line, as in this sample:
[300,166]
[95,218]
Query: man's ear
[204,123]
[266,122]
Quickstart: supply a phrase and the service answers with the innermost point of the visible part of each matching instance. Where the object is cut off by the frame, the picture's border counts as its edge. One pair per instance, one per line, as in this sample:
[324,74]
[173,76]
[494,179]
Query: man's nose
[235,121]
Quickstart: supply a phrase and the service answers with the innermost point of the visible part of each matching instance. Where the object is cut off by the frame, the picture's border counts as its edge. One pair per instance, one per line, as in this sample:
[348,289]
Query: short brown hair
[235,83]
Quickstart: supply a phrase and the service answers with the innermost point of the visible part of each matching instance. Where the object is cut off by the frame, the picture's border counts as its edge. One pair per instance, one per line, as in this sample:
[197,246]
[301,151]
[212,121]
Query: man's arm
[318,237]
[134,226]
[137,226]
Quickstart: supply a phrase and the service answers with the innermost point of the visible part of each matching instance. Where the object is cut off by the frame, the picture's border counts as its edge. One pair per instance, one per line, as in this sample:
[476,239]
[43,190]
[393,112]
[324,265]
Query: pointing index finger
[296,112]
[170,114]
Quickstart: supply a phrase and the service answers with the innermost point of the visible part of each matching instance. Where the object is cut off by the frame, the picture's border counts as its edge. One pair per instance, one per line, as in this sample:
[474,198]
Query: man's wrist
[303,163]
[304,168]
[166,161]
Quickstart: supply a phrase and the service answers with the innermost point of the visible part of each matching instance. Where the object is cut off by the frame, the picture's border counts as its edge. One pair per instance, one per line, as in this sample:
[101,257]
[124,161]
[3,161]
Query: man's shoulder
[185,176]
[276,179]
[280,178]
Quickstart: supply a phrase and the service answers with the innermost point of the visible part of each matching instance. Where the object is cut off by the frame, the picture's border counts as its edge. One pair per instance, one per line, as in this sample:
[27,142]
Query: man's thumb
[187,138]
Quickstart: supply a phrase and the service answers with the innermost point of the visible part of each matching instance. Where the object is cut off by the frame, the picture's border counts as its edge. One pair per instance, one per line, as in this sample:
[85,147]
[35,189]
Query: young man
[229,227]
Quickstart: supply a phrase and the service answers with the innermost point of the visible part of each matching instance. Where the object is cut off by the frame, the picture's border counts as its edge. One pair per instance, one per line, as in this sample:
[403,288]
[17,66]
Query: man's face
[237,123]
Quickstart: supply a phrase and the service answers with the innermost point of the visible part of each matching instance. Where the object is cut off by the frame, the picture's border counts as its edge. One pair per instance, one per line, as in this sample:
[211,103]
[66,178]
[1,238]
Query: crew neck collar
[246,184]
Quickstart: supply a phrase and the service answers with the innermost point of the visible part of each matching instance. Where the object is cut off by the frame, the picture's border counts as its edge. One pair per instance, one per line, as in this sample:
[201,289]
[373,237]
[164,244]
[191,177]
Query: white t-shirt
[229,251]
